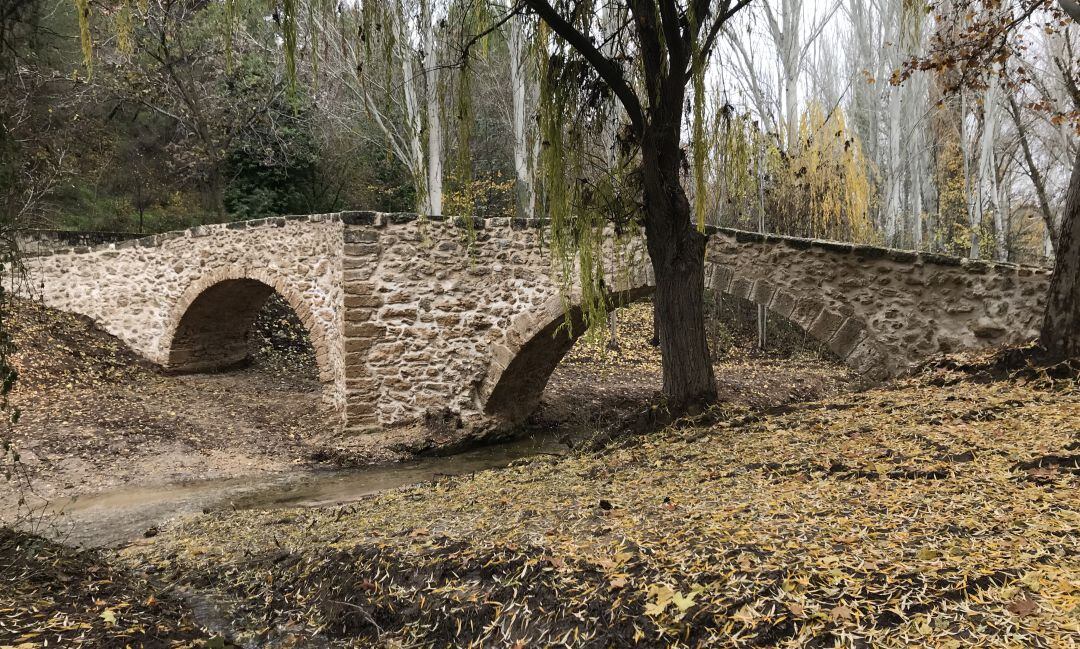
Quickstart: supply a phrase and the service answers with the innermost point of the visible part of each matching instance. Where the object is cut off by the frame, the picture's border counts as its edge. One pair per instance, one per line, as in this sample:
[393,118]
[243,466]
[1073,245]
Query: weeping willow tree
[646,68]
[822,188]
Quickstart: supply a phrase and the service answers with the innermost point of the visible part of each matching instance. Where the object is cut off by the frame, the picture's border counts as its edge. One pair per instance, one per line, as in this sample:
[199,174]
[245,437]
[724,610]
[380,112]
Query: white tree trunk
[895,170]
[989,193]
[785,32]
[974,208]
[413,129]
[522,83]
[430,49]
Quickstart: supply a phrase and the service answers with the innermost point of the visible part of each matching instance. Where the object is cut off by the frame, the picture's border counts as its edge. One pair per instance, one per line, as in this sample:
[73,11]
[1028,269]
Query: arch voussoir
[837,327]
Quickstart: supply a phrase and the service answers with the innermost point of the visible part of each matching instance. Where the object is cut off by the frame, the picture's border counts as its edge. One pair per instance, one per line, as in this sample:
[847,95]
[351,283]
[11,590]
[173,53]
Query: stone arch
[208,326]
[530,351]
[834,325]
[534,344]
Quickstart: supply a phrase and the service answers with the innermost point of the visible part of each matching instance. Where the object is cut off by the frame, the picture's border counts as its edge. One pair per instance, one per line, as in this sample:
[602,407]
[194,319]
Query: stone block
[354,320]
[904,256]
[939,260]
[763,292]
[360,235]
[864,358]
[358,262]
[742,236]
[797,243]
[399,312]
[365,301]
[367,330]
[976,266]
[359,408]
[849,335]
[362,250]
[825,325]
[360,385]
[359,288]
[838,247]
[741,287]
[399,218]
[783,303]
[870,252]
[358,218]
[806,312]
[359,346]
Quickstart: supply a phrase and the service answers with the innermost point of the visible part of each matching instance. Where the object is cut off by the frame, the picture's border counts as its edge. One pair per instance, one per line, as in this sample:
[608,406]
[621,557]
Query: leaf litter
[941,511]
[54,596]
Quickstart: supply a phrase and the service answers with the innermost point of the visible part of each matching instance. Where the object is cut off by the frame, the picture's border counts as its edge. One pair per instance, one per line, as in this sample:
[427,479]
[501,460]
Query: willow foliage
[738,141]
[467,18]
[827,178]
[86,38]
[588,188]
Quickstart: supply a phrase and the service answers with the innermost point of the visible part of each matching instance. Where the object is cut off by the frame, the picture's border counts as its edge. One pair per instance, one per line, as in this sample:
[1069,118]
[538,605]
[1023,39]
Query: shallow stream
[117,517]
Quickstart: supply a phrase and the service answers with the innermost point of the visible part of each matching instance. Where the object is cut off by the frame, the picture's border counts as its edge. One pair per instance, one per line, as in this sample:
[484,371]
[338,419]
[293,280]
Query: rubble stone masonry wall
[457,322]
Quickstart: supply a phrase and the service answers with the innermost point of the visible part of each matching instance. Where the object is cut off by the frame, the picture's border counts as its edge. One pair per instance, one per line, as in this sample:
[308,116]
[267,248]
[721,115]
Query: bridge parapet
[118,241]
[881,310]
[865,252]
[35,241]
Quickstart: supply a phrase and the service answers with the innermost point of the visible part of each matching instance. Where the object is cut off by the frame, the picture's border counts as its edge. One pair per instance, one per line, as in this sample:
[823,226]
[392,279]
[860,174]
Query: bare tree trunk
[216,187]
[434,111]
[895,167]
[677,251]
[523,96]
[1033,173]
[1060,333]
[762,312]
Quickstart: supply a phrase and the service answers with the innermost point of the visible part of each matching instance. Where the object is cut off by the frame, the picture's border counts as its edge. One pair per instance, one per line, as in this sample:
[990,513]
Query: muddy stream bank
[120,516]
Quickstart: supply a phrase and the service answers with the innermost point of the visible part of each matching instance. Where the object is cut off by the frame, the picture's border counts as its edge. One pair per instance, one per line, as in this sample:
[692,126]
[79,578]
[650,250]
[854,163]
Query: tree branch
[605,67]
[714,29]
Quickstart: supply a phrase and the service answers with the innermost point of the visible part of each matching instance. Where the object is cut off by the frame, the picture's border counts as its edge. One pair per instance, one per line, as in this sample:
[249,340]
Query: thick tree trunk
[1061,324]
[677,251]
[689,384]
[216,187]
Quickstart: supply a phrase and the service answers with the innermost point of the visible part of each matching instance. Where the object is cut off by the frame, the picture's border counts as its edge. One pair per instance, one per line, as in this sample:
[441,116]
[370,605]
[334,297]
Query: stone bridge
[410,317]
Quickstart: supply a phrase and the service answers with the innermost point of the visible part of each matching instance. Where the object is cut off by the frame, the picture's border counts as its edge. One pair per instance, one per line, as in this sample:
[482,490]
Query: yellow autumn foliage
[822,189]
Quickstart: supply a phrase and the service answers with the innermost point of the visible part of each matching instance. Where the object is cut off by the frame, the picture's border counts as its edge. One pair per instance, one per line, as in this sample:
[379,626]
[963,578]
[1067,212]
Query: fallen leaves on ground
[95,415]
[54,596]
[902,516]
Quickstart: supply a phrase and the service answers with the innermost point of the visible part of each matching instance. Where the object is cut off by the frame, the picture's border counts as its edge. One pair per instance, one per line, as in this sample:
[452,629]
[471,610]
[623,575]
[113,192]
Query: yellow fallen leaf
[683,602]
